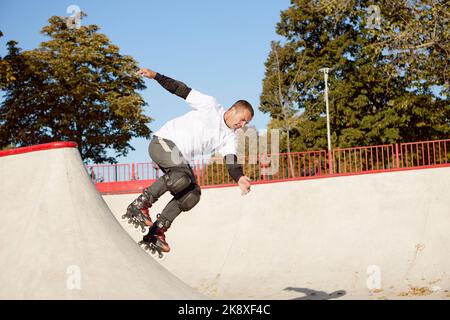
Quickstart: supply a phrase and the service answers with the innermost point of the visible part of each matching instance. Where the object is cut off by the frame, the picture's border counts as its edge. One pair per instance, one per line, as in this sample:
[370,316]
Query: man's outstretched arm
[173,86]
[236,172]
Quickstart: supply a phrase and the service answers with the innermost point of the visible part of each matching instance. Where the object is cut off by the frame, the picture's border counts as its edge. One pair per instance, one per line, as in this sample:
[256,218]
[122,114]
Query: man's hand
[146,73]
[244,184]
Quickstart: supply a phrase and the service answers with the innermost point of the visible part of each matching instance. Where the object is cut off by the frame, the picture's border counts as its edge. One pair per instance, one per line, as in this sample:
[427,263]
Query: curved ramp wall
[59,240]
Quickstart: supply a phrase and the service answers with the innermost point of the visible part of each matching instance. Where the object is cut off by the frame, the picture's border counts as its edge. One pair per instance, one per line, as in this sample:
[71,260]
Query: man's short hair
[243,105]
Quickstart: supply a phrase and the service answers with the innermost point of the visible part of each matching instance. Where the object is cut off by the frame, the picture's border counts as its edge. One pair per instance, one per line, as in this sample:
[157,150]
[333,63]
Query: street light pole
[325,74]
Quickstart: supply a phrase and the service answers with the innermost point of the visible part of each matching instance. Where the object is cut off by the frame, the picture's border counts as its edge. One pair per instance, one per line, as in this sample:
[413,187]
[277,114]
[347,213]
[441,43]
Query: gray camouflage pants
[170,160]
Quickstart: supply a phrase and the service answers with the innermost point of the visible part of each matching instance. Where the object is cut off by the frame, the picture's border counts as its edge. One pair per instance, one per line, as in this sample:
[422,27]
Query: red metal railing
[364,159]
[295,165]
[419,154]
[391,157]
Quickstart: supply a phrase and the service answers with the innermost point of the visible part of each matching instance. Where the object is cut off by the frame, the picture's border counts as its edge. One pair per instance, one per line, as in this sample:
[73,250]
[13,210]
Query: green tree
[76,86]
[379,93]
[417,33]
[5,71]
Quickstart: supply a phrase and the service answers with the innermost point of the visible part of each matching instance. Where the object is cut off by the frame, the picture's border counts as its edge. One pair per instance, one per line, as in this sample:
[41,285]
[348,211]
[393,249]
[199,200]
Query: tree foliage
[389,81]
[76,86]
[6,75]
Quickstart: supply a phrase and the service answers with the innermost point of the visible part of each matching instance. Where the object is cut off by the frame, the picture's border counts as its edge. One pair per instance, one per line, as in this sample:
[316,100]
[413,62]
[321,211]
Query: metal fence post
[397,156]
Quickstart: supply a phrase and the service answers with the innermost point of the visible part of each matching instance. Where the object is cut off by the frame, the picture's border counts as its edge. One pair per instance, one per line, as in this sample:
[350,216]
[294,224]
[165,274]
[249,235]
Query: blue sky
[216,47]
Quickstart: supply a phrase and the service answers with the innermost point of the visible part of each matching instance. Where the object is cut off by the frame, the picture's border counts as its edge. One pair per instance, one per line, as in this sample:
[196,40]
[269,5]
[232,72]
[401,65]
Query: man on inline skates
[207,129]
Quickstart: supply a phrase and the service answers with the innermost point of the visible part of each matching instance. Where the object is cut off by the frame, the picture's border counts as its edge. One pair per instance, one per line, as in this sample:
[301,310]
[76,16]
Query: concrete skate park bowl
[372,236]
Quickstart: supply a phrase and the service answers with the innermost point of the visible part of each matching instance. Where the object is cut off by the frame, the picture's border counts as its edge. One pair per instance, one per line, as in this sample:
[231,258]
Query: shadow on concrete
[316,295]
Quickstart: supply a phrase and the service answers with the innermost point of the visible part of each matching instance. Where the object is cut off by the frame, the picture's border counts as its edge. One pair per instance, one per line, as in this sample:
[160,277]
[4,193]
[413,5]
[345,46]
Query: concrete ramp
[59,240]
[374,236]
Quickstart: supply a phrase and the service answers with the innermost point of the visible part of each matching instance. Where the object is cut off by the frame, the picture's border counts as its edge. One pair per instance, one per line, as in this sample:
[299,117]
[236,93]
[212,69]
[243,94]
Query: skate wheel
[160,255]
[143,245]
[124,216]
[143,229]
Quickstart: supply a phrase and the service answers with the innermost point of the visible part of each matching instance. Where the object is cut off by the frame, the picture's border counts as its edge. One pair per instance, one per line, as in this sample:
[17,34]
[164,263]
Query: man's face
[240,118]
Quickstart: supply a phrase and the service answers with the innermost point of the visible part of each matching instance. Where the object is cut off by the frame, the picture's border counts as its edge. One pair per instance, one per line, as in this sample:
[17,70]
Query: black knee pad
[176,181]
[188,200]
